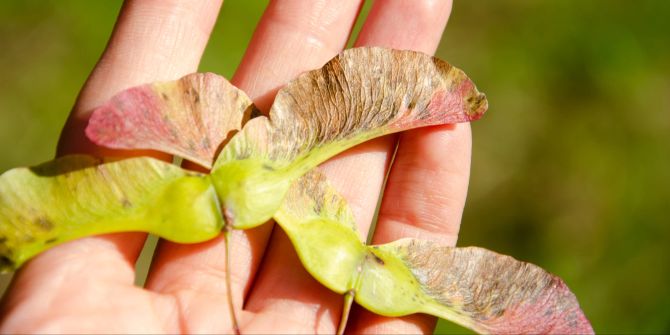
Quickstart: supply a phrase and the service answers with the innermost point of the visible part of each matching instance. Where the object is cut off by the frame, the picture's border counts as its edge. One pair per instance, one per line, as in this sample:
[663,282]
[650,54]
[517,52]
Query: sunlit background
[571,166]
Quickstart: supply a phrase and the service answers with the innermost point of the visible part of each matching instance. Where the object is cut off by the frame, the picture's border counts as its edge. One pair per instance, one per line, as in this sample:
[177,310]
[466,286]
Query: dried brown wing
[491,293]
[361,94]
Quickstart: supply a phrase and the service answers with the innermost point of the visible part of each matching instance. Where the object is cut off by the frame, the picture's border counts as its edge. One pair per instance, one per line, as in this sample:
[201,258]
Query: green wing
[78,196]
[323,231]
[361,94]
[474,287]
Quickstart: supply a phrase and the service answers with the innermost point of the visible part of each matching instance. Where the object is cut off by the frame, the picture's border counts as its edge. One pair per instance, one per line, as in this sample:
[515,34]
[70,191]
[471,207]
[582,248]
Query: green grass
[571,166]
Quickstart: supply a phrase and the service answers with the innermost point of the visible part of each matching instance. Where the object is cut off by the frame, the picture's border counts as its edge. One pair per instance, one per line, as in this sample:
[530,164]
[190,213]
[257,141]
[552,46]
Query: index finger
[152,40]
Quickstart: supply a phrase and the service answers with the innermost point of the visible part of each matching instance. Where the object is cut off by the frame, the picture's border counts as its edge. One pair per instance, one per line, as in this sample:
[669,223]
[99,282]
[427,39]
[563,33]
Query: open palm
[87,285]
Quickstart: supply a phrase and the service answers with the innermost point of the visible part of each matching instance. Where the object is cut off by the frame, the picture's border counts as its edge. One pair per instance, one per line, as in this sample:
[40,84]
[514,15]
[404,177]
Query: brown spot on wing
[377,259]
[126,203]
[44,223]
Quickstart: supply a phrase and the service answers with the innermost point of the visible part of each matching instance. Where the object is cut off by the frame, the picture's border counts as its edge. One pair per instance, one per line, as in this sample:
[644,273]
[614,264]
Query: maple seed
[268,169]
[473,287]
[359,95]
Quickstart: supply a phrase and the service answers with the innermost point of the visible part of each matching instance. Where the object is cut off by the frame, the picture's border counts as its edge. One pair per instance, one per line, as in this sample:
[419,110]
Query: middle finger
[293,36]
[282,282]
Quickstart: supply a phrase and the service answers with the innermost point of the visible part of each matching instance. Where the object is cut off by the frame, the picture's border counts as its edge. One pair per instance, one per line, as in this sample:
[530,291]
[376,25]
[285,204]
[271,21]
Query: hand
[87,285]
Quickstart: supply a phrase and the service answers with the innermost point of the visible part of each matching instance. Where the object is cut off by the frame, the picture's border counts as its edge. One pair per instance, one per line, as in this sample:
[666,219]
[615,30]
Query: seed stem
[231,307]
[346,309]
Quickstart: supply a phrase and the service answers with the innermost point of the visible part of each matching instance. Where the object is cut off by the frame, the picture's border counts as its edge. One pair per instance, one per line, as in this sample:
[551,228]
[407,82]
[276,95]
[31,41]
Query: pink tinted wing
[493,293]
[190,117]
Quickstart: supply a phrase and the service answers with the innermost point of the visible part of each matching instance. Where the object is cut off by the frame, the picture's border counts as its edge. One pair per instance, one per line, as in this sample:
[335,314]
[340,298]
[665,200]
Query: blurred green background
[571,166]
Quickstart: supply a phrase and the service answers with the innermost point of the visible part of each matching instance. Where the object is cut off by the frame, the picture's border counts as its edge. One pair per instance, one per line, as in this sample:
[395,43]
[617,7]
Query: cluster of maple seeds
[268,170]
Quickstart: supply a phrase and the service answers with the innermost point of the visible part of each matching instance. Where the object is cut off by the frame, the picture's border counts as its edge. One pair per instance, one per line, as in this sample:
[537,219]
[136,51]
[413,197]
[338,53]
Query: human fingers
[292,37]
[359,186]
[424,199]
[398,24]
[427,185]
[152,40]
[414,25]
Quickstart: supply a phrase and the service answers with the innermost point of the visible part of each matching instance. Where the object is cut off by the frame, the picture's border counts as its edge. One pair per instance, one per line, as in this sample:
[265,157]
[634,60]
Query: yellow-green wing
[361,94]
[77,196]
[474,287]
[323,231]
[189,117]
